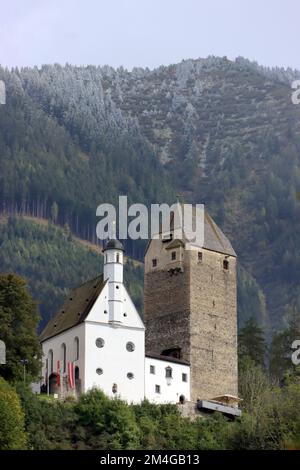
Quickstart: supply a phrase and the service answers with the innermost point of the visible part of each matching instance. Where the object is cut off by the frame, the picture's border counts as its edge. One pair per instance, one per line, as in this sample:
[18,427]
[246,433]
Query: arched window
[76,341]
[50,362]
[64,357]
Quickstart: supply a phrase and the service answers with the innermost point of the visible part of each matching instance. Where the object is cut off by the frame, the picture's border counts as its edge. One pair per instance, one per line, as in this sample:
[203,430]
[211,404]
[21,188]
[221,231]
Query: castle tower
[113,273]
[190,308]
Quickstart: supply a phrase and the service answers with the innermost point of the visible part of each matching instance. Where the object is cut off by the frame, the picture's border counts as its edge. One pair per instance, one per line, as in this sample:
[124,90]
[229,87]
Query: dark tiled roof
[75,308]
[167,359]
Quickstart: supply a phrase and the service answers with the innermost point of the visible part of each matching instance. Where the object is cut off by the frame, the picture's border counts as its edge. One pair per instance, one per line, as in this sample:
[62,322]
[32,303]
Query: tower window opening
[226,264]
[154,263]
[118,258]
[173,255]
[200,256]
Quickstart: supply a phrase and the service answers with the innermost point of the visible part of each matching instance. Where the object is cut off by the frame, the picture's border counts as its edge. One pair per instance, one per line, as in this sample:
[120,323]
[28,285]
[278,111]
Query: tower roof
[113,244]
[214,238]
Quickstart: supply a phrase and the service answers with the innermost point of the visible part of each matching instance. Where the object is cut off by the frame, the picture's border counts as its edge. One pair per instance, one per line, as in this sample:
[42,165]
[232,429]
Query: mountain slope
[220,132]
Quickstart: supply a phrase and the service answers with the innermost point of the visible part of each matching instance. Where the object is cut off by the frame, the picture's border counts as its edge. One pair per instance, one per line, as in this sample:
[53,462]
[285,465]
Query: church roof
[75,308]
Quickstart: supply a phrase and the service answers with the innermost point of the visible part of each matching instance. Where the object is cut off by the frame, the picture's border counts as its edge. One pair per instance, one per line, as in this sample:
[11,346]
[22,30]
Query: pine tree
[19,320]
[252,342]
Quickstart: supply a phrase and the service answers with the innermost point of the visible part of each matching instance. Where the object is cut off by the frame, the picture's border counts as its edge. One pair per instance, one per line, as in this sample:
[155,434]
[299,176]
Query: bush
[12,425]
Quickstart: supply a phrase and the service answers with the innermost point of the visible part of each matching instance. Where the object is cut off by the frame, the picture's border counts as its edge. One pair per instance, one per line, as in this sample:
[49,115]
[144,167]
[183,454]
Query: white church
[97,339]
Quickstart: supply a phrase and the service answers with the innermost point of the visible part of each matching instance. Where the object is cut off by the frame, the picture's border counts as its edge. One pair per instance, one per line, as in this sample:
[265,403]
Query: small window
[173,255]
[154,263]
[184,378]
[168,372]
[100,342]
[117,287]
[118,257]
[99,371]
[226,264]
[130,376]
[130,346]
[152,369]
[157,388]
[114,388]
[200,256]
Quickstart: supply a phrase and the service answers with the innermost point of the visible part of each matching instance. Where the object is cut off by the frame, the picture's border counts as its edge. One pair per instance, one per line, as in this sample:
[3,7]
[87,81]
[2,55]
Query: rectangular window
[173,255]
[168,372]
[226,264]
[184,377]
[154,263]
[199,256]
[152,369]
[157,388]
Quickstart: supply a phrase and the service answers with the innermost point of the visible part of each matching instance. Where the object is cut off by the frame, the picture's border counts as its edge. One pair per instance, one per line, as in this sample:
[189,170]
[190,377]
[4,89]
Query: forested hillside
[53,262]
[216,131]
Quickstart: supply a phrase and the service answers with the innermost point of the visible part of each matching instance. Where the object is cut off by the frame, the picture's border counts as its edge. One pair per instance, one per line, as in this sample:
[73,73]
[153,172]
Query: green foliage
[281,345]
[251,342]
[12,428]
[111,422]
[270,420]
[19,319]
[251,300]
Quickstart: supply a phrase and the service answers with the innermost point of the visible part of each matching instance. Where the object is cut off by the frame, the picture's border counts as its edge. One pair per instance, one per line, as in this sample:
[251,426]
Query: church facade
[187,349]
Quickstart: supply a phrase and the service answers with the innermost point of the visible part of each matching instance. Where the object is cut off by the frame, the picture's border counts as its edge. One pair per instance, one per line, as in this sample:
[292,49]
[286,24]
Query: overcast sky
[148,32]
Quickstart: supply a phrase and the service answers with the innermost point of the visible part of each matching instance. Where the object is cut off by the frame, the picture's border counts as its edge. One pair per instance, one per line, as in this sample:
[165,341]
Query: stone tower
[190,308]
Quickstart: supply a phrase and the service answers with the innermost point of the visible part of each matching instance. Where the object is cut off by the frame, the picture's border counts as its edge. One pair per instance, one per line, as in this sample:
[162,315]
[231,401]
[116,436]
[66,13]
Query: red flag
[58,374]
[71,374]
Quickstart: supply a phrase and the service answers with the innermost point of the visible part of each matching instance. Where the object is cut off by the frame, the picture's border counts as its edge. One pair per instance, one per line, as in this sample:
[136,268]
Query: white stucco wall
[170,390]
[115,361]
